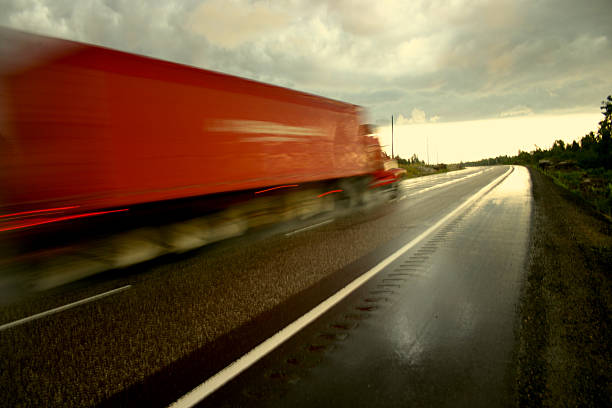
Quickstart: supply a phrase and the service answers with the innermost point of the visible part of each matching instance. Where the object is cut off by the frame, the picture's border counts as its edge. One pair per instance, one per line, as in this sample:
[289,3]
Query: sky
[464,79]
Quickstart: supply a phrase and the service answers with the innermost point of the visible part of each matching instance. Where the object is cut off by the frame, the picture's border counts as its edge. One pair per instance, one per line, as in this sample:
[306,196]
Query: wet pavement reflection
[435,328]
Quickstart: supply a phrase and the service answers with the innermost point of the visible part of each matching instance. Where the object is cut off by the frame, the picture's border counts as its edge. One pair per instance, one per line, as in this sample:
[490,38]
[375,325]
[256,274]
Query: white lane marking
[62,308]
[425,179]
[218,380]
[446,183]
[309,227]
[454,175]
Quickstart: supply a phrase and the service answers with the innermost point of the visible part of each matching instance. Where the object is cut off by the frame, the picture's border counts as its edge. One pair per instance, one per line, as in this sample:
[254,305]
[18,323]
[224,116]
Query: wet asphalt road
[438,331]
[435,328]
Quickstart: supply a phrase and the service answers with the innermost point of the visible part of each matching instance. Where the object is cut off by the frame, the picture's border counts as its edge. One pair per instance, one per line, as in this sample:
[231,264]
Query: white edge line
[62,308]
[218,380]
[446,183]
[309,227]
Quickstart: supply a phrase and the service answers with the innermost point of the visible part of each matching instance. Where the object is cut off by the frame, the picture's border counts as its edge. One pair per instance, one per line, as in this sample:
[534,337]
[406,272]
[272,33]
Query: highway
[410,301]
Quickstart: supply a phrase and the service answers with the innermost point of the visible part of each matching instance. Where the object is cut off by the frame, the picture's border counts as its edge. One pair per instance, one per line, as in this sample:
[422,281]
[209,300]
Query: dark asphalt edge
[166,386]
[527,357]
[581,340]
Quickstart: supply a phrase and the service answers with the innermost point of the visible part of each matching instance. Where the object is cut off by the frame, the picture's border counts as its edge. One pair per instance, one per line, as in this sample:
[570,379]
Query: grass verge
[565,337]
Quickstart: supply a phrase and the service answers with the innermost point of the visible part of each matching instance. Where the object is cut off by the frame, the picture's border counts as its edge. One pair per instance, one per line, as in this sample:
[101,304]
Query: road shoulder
[565,341]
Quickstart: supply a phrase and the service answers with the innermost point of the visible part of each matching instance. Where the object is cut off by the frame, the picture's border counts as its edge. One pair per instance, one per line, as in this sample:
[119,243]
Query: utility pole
[428,150]
[392,156]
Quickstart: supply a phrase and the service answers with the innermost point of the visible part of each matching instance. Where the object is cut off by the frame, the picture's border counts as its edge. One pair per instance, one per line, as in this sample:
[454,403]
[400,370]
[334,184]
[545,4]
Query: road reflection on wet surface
[434,328]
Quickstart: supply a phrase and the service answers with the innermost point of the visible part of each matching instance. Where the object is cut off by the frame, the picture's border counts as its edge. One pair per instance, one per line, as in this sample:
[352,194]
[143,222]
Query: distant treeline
[591,152]
[413,160]
[583,167]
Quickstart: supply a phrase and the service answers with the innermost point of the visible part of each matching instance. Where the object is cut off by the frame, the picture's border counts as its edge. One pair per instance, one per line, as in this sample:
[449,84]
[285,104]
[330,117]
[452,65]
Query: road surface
[432,326]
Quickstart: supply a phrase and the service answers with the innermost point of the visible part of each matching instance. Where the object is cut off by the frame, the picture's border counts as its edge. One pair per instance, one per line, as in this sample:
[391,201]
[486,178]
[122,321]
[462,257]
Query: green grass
[593,185]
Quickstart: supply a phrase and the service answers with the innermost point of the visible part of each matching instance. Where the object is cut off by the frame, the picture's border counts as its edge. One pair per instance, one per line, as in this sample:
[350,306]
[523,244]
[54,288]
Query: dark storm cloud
[154,28]
[458,60]
[551,55]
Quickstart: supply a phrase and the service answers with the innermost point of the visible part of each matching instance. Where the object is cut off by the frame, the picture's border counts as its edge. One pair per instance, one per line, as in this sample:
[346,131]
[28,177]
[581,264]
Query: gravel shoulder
[565,338]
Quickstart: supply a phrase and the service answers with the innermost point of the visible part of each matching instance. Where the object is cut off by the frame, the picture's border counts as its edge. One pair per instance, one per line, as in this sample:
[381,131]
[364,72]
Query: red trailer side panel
[88,126]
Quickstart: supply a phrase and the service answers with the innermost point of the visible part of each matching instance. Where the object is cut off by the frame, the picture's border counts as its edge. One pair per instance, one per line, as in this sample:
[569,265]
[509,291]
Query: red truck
[88,133]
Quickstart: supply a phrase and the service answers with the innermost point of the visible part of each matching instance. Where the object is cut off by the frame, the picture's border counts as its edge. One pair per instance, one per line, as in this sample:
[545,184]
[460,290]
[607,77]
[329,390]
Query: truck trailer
[96,142]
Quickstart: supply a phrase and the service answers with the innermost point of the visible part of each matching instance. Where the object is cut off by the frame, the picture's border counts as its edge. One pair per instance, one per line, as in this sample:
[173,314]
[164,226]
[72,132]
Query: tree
[559,145]
[400,160]
[575,147]
[415,159]
[588,141]
[605,142]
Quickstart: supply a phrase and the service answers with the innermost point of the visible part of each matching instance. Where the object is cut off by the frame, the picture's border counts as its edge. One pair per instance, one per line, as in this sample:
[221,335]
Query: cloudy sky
[465,79]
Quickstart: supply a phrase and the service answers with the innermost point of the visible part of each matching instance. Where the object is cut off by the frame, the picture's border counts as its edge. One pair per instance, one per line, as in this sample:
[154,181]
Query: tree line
[594,150]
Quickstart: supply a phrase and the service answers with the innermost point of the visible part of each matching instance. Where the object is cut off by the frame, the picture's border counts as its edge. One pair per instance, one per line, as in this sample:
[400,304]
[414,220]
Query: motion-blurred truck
[109,158]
